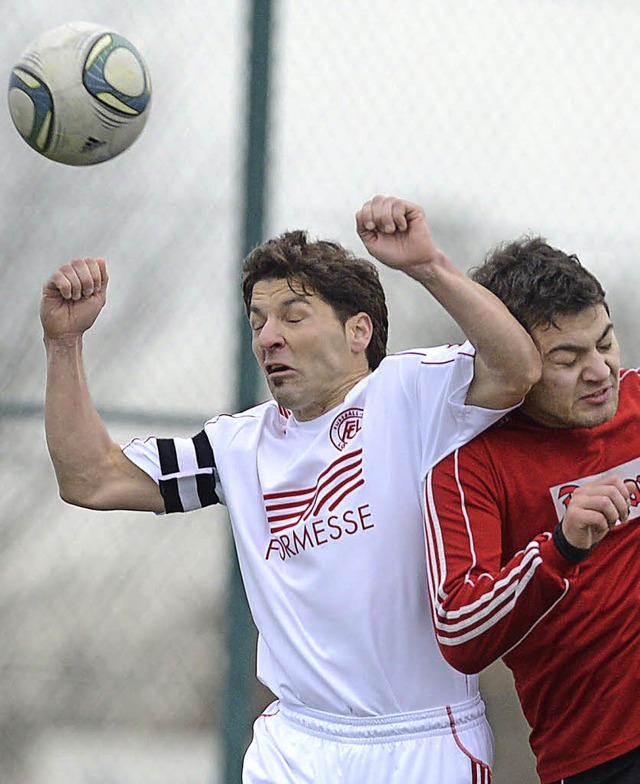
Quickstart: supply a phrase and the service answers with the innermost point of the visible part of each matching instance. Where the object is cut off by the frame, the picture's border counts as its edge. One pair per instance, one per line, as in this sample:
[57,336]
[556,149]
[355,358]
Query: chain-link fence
[500,117]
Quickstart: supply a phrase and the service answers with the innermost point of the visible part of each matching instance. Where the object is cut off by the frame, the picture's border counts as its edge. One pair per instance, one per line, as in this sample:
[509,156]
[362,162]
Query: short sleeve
[183,468]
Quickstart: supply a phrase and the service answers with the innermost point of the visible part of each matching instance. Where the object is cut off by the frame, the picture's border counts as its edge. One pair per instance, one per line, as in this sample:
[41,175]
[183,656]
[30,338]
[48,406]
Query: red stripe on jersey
[473,608]
[348,490]
[287,493]
[334,483]
[459,622]
[329,484]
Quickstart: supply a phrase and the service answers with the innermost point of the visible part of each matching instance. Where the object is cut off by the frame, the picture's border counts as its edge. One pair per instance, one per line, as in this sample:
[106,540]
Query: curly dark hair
[347,283]
[537,282]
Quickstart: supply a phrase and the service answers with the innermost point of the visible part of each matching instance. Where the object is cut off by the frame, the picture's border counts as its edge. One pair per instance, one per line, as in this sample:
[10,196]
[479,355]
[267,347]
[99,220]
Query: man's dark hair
[349,284]
[538,283]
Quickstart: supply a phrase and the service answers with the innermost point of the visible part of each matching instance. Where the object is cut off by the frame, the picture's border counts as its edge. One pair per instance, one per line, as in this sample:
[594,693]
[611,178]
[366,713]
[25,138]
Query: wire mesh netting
[501,118]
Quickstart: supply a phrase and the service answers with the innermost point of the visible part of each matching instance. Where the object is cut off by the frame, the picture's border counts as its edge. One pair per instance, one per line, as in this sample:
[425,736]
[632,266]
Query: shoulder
[256,417]
[434,355]
[629,388]
[503,438]
[630,379]
[418,361]
[628,394]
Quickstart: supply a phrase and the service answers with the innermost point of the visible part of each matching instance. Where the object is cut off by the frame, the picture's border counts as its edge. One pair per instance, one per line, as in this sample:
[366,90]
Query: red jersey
[570,633]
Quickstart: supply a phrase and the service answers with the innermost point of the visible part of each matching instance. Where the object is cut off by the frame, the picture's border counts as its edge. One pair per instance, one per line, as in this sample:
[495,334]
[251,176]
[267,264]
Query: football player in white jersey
[323,487]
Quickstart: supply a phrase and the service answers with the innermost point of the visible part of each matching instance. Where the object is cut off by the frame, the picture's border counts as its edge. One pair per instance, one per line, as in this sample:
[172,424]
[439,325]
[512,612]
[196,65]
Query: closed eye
[565,361]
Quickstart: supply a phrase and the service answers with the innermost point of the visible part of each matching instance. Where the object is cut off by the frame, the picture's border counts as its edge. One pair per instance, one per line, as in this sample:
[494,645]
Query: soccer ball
[80,94]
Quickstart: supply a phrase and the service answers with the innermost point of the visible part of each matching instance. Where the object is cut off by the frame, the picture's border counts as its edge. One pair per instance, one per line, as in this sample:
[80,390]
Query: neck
[336,398]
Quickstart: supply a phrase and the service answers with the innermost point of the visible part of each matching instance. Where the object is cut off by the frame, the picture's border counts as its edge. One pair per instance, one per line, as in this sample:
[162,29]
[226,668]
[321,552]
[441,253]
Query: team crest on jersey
[629,472]
[345,427]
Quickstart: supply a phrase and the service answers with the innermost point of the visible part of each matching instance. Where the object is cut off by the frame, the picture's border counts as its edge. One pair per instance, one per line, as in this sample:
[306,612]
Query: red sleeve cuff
[554,560]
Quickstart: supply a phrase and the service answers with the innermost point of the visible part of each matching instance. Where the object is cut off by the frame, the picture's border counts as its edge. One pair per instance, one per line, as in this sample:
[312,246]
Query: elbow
[73,498]
[466,658]
[78,493]
[530,371]
[465,661]
[533,372]
[65,496]
[505,383]
[518,384]
[66,491]
[464,644]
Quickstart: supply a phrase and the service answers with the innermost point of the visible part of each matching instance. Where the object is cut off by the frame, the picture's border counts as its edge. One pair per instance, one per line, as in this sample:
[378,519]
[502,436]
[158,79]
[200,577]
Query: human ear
[359,330]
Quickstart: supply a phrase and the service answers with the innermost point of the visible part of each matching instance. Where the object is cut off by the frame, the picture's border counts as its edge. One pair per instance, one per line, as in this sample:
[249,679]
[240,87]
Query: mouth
[276,370]
[598,397]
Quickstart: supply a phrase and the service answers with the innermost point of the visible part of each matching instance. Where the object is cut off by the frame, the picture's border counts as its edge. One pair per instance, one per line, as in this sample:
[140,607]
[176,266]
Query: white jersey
[328,523]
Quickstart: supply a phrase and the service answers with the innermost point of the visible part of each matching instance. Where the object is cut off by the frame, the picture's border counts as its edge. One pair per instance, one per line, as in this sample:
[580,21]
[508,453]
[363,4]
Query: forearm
[507,361]
[485,599]
[78,441]
[481,615]
[82,452]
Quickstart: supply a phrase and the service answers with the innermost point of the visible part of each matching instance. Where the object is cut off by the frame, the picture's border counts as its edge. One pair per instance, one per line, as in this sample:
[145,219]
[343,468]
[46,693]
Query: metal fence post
[241,638]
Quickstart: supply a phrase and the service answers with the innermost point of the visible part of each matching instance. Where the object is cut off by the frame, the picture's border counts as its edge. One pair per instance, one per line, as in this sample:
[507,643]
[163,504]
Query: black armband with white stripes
[569,551]
[192,491]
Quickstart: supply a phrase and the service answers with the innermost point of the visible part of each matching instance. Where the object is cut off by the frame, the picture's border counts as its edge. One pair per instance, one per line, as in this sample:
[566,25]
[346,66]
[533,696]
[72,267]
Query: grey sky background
[499,117]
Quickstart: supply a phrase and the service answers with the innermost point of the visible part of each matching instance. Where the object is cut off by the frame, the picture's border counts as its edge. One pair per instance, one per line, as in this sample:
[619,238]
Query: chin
[282,398]
[596,418]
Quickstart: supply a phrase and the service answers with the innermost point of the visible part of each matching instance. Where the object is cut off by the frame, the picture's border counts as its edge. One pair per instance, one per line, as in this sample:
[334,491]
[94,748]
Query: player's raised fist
[395,232]
[72,297]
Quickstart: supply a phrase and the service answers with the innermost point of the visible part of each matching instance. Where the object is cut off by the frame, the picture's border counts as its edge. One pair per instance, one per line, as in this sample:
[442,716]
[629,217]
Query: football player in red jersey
[532,528]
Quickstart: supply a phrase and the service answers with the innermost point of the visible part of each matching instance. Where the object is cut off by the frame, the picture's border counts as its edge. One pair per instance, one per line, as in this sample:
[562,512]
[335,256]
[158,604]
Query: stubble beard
[596,418]
[283,395]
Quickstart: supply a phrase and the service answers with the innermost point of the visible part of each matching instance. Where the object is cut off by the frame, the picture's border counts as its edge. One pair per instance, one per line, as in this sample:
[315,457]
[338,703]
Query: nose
[270,336]
[597,368]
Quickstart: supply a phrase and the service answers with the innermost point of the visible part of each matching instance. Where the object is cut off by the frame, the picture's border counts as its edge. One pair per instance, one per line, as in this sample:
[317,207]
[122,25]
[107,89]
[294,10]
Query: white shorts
[451,745]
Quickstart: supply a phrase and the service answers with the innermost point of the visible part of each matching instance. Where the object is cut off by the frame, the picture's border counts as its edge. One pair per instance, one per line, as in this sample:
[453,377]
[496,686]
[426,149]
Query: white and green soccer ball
[80,94]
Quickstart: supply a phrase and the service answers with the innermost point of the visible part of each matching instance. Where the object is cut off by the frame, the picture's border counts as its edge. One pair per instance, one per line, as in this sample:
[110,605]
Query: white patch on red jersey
[628,472]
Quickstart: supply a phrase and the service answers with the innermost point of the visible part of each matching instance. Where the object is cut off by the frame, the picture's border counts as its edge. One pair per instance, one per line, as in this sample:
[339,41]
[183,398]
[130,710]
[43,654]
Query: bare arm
[90,468]
[507,362]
